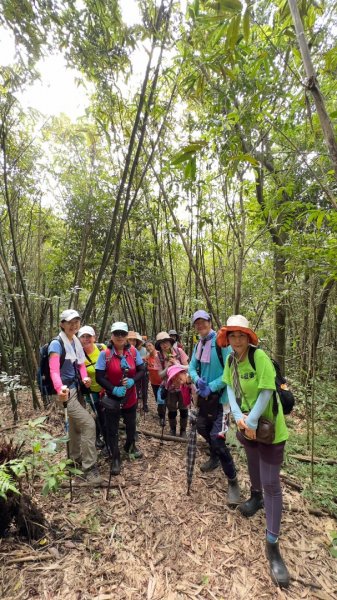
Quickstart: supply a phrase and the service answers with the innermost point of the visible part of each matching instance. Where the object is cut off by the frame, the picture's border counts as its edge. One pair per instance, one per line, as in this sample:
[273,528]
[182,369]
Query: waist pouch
[209,407]
[265,432]
[112,402]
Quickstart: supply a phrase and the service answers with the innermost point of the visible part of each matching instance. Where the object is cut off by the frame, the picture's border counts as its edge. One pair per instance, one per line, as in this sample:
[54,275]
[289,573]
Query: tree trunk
[312,85]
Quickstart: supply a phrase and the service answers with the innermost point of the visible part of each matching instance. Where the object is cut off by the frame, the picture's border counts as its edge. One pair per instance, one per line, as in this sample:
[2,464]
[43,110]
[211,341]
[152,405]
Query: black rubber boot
[116,463]
[279,571]
[183,426]
[173,426]
[251,506]
[233,493]
[210,464]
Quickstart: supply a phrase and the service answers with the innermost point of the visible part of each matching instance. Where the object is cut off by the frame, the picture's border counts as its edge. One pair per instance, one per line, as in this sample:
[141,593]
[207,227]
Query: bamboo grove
[207,182]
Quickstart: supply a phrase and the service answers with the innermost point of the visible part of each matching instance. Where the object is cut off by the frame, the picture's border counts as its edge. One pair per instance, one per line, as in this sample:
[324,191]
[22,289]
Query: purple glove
[201,383]
[206,391]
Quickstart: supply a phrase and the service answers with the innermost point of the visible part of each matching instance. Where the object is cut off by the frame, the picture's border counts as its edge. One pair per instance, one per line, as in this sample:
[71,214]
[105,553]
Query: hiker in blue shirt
[206,371]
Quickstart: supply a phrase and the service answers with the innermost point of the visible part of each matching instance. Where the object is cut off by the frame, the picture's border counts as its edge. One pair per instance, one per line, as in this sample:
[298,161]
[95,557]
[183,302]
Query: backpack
[286,397]
[44,381]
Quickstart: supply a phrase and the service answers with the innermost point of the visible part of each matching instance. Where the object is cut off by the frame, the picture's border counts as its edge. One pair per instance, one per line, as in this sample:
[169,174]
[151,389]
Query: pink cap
[173,371]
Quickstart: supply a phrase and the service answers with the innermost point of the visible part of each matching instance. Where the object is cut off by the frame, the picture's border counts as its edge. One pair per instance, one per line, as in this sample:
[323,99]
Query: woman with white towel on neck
[67,365]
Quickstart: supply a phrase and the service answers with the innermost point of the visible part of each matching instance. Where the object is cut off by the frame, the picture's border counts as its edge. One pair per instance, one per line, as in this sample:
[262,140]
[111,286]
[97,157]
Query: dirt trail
[150,541]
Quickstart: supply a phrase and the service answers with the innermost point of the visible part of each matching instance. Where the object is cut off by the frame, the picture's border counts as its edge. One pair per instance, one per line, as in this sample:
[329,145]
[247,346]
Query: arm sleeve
[192,368]
[218,384]
[235,408]
[103,381]
[140,372]
[82,370]
[54,368]
[258,408]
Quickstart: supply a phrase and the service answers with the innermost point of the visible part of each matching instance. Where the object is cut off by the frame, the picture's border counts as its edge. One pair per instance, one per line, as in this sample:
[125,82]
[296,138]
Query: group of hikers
[220,378]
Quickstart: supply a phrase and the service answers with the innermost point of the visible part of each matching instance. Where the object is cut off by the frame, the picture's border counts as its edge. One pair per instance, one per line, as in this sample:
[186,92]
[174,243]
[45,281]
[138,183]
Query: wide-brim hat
[173,371]
[236,323]
[133,335]
[163,336]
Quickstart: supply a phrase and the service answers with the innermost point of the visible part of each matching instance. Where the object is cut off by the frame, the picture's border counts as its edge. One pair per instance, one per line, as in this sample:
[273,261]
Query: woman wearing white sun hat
[250,377]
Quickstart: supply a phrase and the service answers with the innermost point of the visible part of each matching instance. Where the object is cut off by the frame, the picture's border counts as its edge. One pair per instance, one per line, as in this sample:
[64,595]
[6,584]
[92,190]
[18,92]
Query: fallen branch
[173,438]
[167,438]
[29,558]
[316,586]
[312,511]
[293,484]
[314,459]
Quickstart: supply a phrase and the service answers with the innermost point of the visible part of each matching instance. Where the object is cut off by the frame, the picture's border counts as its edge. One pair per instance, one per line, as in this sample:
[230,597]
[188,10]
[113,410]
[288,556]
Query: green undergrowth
[319,480]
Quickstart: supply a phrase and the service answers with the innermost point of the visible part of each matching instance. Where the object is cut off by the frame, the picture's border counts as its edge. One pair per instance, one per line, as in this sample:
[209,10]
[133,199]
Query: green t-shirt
[90,365]
[252,382]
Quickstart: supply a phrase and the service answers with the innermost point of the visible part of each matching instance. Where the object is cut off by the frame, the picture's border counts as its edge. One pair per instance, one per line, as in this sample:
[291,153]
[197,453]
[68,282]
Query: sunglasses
[119,333]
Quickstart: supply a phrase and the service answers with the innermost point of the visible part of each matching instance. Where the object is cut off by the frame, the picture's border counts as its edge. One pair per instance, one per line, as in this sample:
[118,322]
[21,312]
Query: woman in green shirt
[92,350]
[250,392]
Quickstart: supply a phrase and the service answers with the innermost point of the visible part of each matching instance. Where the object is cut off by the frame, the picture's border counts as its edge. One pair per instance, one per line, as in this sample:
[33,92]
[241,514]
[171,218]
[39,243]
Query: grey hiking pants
[82,431]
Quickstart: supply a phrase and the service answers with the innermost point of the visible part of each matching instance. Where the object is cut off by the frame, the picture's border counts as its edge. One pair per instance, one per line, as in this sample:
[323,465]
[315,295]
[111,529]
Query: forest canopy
[209,183]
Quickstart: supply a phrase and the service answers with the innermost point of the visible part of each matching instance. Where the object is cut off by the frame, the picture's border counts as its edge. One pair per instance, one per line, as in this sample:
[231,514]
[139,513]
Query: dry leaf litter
[151,541]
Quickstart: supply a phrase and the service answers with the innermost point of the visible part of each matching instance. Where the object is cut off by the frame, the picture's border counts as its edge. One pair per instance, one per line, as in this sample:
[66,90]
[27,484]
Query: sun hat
[162,336]
[173,371]
[119,326]
[201,314]
[133,335]
[173,332]
[236,323]
[69,314]
[139,337]
[85,330]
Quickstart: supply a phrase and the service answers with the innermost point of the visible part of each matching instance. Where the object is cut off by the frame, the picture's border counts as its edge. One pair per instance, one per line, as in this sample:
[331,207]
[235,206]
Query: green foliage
[7,481]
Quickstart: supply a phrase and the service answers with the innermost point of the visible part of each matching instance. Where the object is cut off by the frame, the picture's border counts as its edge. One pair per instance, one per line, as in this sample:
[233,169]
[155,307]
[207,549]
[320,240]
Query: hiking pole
[66,427]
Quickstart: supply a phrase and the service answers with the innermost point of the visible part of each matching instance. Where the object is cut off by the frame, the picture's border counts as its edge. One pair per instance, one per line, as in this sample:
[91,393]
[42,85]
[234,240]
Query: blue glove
[206,391]
[130,383]
[201,383]
[119,391]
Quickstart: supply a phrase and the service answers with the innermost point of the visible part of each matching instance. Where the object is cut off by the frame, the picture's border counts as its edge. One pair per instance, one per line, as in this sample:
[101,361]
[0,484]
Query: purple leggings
[264,465]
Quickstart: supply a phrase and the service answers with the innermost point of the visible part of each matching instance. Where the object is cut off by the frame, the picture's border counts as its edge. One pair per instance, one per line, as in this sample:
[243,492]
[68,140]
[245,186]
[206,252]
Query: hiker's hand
[63,394]
[250,433]
[241,423]
[119,391]
[128,382]
[201,383]
[172,361]
[204,392]
[87,382]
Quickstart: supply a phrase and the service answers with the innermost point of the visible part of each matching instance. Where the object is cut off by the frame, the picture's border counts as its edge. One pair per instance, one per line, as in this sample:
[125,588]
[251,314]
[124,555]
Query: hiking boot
[233,493]
[162,422]
[92,476]
[279,571]
[210,464]
[173,432]
[252,505]
[183,434]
